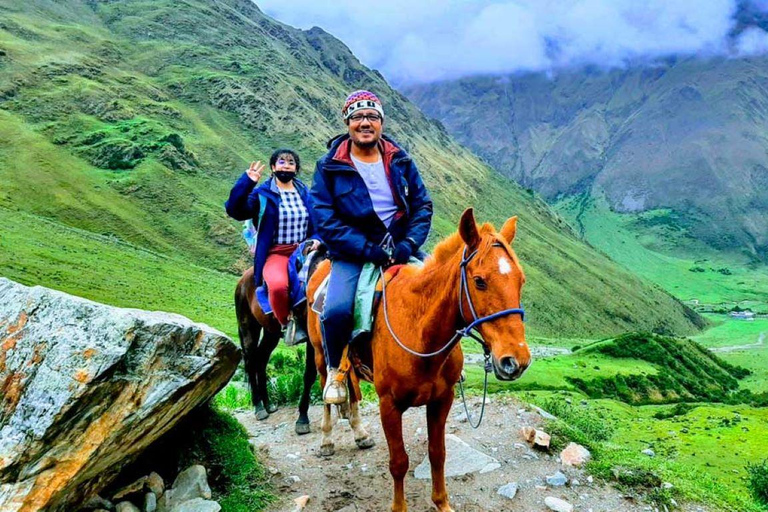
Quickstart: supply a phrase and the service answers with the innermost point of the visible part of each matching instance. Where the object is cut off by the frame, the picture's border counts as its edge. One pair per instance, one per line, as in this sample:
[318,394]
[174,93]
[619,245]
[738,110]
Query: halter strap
[466,331]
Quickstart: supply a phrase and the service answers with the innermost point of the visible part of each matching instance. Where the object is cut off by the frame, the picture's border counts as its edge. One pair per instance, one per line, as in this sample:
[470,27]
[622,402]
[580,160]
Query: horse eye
[480,283]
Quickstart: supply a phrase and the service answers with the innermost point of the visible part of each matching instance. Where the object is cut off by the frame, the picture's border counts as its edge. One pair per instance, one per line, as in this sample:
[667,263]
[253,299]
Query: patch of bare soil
[355,480]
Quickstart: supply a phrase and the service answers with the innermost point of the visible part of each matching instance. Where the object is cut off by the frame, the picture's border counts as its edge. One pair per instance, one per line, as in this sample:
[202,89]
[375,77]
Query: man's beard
[366,145]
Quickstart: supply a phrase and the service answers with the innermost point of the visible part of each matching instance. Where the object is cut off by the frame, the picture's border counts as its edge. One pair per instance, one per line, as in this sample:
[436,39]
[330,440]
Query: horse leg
[392,422]
[267,344]
[310,374]
[327,447]
[249,331]
[437,412]
[363,440]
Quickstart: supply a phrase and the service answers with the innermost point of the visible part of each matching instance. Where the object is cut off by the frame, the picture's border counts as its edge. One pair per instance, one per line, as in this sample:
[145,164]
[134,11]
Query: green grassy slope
[685,134]
[656,247]
[131,120]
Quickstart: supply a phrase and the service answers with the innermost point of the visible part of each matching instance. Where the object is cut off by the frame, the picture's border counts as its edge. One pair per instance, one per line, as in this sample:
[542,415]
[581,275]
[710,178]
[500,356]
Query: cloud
[418,41]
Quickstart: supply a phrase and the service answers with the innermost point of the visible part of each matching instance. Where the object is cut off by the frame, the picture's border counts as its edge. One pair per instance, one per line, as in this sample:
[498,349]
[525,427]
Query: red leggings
[276,276]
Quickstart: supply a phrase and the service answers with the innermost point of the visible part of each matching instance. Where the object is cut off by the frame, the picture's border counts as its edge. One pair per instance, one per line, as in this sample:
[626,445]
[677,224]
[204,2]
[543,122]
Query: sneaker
[335,391]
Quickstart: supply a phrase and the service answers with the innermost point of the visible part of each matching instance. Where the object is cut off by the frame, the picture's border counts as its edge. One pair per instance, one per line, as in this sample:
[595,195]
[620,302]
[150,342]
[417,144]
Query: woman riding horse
[280,212]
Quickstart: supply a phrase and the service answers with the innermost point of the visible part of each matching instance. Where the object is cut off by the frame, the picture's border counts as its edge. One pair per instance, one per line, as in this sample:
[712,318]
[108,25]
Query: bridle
[460,333]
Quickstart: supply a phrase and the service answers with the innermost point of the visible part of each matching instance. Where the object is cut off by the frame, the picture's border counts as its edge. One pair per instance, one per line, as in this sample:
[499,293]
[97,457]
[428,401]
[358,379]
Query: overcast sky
[427,40]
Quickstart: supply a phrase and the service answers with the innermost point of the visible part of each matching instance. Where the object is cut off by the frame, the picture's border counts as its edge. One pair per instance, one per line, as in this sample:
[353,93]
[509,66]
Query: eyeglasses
[373,118]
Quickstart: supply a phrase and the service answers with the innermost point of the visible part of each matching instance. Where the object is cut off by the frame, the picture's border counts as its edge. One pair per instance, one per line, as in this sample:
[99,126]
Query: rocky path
[759,343]
[358,481]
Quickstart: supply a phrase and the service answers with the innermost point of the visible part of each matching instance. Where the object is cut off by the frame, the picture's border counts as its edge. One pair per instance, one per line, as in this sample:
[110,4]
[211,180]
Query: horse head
[494,282]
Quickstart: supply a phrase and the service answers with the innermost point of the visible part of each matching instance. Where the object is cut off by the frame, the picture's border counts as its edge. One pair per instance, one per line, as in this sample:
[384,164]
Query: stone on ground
[558,505]
[557,480]
[85,388]
[126,506]
[197,505]
[460,459]
[575,455]
[508,491]
[190,484]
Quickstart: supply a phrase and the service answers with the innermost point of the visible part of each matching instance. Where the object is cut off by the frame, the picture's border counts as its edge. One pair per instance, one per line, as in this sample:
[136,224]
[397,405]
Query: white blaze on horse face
[504,265]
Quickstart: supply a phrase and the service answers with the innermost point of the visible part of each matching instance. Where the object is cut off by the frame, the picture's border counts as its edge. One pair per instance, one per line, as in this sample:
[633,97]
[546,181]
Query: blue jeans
[338,313]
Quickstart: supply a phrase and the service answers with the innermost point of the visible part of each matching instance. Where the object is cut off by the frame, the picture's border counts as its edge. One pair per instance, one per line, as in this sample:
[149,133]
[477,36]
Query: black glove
[378,256]
[403,251]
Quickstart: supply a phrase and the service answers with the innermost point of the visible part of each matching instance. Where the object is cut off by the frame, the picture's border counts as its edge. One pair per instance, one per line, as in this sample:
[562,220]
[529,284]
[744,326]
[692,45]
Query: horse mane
[448,248]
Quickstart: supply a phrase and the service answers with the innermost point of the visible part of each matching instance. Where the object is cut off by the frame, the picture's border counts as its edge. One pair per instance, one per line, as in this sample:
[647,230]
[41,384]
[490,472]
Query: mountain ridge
[136,123]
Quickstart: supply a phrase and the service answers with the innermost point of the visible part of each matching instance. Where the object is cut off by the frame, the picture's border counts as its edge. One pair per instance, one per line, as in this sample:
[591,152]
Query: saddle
[357,354]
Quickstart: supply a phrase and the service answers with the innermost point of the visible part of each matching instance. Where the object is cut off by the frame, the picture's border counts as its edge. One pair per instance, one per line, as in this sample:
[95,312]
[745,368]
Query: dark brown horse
[415,351]
[252,324]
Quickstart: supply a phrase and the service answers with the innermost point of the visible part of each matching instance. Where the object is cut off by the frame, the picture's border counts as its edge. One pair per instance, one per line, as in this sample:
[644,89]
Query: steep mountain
[684,138]
[124,124]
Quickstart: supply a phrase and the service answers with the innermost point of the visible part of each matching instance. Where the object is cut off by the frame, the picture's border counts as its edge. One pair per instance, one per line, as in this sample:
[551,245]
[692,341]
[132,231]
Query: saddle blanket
[366,297]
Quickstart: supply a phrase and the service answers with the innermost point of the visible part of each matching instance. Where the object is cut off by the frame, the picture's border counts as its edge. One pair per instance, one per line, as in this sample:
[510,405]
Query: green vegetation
[686,371]
[131,120]
[213,439]
[758,481]
[687,272]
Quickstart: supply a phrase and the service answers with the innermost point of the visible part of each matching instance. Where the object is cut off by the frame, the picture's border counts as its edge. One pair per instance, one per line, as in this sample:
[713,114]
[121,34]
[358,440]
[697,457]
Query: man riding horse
[369,205]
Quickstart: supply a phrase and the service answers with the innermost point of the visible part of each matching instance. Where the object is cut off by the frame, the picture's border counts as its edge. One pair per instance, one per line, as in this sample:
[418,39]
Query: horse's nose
[509,366]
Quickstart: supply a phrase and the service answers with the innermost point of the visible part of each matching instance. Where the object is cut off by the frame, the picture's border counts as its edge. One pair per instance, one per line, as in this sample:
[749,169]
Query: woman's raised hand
[255,170]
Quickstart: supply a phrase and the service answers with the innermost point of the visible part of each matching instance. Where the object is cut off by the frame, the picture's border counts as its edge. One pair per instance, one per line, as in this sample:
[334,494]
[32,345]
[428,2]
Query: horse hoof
[261,413]
[271,408]
[302,428]
[365,443]
[327,450]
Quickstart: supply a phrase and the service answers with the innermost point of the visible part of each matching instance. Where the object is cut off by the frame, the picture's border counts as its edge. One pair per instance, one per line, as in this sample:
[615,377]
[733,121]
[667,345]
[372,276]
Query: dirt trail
[733,348]
[356,480]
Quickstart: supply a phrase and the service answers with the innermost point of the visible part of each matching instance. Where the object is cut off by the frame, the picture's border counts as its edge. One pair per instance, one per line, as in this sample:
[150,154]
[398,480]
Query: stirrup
[335,391]
[294,334]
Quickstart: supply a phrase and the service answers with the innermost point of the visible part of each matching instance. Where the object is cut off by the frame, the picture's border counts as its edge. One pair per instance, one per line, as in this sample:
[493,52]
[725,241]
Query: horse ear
[468,228]
[509,229]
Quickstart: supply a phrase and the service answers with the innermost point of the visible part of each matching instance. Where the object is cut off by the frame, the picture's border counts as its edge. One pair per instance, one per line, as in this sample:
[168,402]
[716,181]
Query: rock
[541,440]
[649,452]
[508,491]
[197,505]
[558,505]
[666,485]
[155,484]
[557,480]
[461,459]
[301,502]
[97,502]
[85,388]
[190,484]
[528,433]
[574,455]
[127,506]
[132,488]
[544,414]
[461,417]
[150,502]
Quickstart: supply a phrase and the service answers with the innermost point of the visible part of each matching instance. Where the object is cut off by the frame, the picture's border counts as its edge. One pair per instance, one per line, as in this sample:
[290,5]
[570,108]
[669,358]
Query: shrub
[757,481]
[576,424]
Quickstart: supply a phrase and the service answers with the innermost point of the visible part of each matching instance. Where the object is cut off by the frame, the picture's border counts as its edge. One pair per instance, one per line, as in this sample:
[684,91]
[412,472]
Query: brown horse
[426,308]
[251,321]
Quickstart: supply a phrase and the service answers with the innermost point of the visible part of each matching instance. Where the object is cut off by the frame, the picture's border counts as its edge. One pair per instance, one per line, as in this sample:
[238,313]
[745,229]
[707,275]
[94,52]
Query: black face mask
[285,176]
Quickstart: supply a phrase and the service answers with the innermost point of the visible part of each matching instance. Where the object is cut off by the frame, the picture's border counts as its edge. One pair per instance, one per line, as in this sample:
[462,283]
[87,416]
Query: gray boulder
[85,388]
